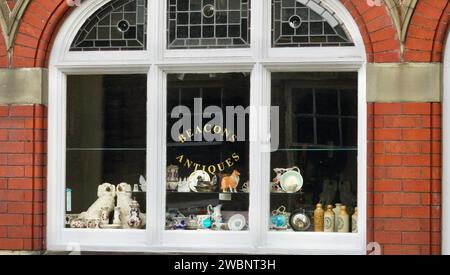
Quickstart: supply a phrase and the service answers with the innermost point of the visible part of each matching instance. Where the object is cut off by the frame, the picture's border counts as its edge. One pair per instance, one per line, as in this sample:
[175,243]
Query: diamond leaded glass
[208,24]
[306,23]
[119,25]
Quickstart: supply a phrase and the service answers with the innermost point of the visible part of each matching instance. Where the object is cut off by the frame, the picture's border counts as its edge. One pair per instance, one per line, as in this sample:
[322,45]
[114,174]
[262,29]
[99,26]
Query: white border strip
[446,154]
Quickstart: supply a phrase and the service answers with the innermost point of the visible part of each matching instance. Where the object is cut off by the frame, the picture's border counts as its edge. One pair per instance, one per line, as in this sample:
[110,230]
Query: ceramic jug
[329,219]
[319,218]
[343,220]
[336,211]
[355,221]
[215,213]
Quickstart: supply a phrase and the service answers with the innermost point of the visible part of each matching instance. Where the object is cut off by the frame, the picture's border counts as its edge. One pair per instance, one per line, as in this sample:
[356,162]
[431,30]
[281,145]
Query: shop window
[106,151]
[208,156]
[306,23]
[316,162]
[208,24]
[120,25]
[153,149]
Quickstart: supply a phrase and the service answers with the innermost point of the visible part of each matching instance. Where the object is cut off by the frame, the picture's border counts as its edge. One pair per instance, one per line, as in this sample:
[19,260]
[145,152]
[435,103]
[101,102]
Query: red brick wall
[405,177]
[427,32]
[404,139]
[22,177]
[43,18]
[424,43]
[3,55]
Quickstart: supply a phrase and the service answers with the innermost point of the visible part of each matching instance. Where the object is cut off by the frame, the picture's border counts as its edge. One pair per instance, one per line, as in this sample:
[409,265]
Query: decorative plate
[194,179]
[237,223]
[299,221]
[291,181]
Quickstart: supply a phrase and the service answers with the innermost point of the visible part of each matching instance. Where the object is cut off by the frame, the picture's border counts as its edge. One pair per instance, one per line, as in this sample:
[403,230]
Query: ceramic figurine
[78,223]
[246,187]
[343,220]
[173,185]
[215,213]
[93,223]
[319,218]
[143,183]
[124,200]
[183,186]
[231,183]
[329,219]
[346,195]
[117,220]
[133,219]
[329,190]
[106,196]
[136,188]
[336,211]
[172,173]
[172,177]
[355,221]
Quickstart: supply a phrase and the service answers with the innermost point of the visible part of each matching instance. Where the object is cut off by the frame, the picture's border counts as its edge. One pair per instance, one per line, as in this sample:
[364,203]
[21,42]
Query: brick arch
[37,28]
[428,31]
[43,18]
[377,29]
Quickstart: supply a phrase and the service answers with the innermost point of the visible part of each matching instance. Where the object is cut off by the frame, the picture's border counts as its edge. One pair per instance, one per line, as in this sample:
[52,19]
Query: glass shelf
[205,193]
[193,144]
[317,149]
[106,149]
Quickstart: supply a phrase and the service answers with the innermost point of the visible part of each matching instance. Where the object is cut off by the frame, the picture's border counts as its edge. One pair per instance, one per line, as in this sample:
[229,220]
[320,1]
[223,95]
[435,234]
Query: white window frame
[446,153]
[157,62]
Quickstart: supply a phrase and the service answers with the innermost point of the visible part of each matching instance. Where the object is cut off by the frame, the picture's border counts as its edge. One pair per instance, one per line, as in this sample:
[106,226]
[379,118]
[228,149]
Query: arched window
[208,125]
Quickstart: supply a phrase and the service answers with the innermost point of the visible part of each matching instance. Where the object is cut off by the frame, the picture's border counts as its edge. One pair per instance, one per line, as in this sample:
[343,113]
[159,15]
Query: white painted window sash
[157,62]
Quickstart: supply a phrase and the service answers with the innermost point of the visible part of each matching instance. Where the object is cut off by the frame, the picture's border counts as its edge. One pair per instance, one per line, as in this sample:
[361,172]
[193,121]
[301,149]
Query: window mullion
[156,149]
[259,154]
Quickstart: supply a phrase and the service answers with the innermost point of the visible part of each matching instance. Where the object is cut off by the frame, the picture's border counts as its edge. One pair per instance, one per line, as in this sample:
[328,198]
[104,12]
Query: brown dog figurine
[231,183]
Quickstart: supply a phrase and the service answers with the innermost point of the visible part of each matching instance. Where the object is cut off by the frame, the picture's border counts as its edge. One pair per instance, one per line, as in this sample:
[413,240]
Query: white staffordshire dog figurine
[106,197]
[124,201]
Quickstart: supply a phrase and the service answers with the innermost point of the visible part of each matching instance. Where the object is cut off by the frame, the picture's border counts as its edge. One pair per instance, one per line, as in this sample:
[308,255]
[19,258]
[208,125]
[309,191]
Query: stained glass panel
[306,23]
[208,24]
[120,25]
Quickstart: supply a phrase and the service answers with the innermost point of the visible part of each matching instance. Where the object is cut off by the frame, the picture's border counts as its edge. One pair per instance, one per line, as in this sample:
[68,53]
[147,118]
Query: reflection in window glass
[306,23]
[207,157]
[315,167]
[208,24]
[106,151]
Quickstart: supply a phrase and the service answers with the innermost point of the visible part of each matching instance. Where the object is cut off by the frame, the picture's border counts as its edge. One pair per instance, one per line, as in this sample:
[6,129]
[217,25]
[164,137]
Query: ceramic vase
[329,219]
[319,218]
[343,220]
